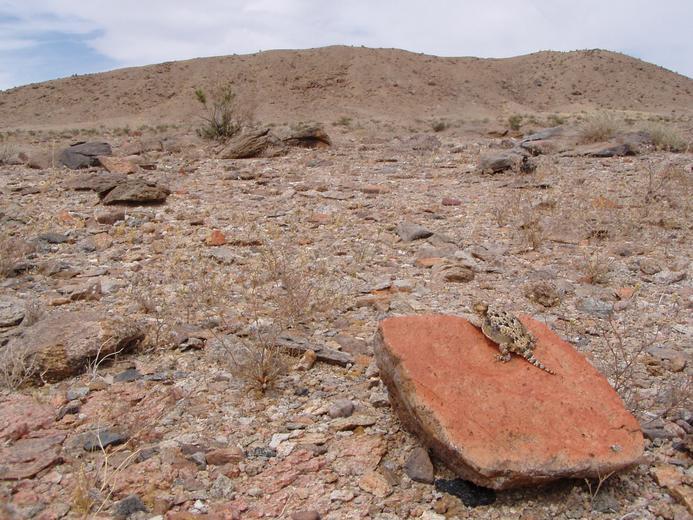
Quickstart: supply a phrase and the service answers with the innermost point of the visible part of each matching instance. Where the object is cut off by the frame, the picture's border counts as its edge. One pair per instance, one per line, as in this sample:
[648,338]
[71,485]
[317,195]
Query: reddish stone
[21,414]
[503,425]
[216,238]
[429,261]
[117,165]
[449,201]
[225,456]
[26,457]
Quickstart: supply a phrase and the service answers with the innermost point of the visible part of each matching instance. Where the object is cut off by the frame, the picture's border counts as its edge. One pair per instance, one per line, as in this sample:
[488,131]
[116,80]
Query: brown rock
[305,515]
[684,494]
[109,217]
[503,425]
[456,273]
[64,342]
[101,182]
[419,467]
[223,456]
[666,475]
[375,484]
[351,423]
[309,137]
[117,164]
[137,191]
[307,360]
[449,201]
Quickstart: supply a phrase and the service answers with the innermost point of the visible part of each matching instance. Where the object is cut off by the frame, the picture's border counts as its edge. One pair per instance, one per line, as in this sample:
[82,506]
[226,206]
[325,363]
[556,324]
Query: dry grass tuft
[597,269]
[17,365]
[667,139]
[601,126]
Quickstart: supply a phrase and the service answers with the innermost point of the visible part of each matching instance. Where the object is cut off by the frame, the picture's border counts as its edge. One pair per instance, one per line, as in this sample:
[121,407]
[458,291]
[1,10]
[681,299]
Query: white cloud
[135,32]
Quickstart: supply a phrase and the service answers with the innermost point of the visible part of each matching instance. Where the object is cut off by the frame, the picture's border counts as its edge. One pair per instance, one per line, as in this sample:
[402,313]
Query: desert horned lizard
[509,333]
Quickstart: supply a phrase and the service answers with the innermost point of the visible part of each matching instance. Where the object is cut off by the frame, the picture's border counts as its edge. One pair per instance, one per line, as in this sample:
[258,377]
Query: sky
[48,39]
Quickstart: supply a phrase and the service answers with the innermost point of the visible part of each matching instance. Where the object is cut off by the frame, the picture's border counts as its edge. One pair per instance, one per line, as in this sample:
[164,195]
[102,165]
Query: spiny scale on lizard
[509,333]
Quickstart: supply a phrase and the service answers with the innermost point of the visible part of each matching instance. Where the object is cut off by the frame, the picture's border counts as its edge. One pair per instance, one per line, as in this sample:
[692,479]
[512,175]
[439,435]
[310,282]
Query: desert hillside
[365,84]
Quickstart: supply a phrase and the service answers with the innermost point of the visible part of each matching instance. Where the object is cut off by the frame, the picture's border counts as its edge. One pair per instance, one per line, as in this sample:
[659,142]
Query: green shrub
[221,121]
[515,122]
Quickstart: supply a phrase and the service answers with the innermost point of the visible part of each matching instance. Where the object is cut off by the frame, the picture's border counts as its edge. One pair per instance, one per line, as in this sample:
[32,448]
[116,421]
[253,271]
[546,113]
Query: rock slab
[83,155]
[65,342]
[503,425]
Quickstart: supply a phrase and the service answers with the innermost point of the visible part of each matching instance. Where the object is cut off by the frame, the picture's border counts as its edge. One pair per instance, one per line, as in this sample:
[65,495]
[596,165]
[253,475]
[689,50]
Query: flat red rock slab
[503,425]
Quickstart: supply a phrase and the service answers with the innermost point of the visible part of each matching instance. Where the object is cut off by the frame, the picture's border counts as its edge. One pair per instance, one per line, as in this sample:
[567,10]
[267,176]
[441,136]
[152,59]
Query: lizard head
[480,308]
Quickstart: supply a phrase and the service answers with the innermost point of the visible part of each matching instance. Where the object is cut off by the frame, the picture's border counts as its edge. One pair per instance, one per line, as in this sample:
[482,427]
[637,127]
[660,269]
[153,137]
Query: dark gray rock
[83,155]
[53,238]
[222,487]
[595,307]
[137,191]
[419,467]
[102,438]
[618,150]
[341,408]
[11,311]
[128,506]
[77,393]
[199,458]
[546,133]
[127,376]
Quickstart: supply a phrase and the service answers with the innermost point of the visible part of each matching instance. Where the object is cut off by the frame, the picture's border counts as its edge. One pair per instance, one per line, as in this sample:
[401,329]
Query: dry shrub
[17,365]
[599,127]
[8,152]
[597,269]
[621,360]
[145,292]
[670,183]
[515,122]
[257,361]
[667,139]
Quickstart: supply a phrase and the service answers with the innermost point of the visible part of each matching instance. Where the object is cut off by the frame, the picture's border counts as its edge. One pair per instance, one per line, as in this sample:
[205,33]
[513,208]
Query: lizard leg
[504,355]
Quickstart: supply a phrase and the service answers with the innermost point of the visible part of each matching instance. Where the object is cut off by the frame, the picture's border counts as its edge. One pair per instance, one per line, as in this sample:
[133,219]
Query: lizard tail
[539,364]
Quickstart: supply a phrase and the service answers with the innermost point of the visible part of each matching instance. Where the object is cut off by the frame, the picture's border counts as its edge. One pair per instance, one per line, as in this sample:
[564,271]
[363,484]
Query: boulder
[101,183]
[503,425]
[11,311]
[497,162]
[137,191]
[65,342]
[83,155]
